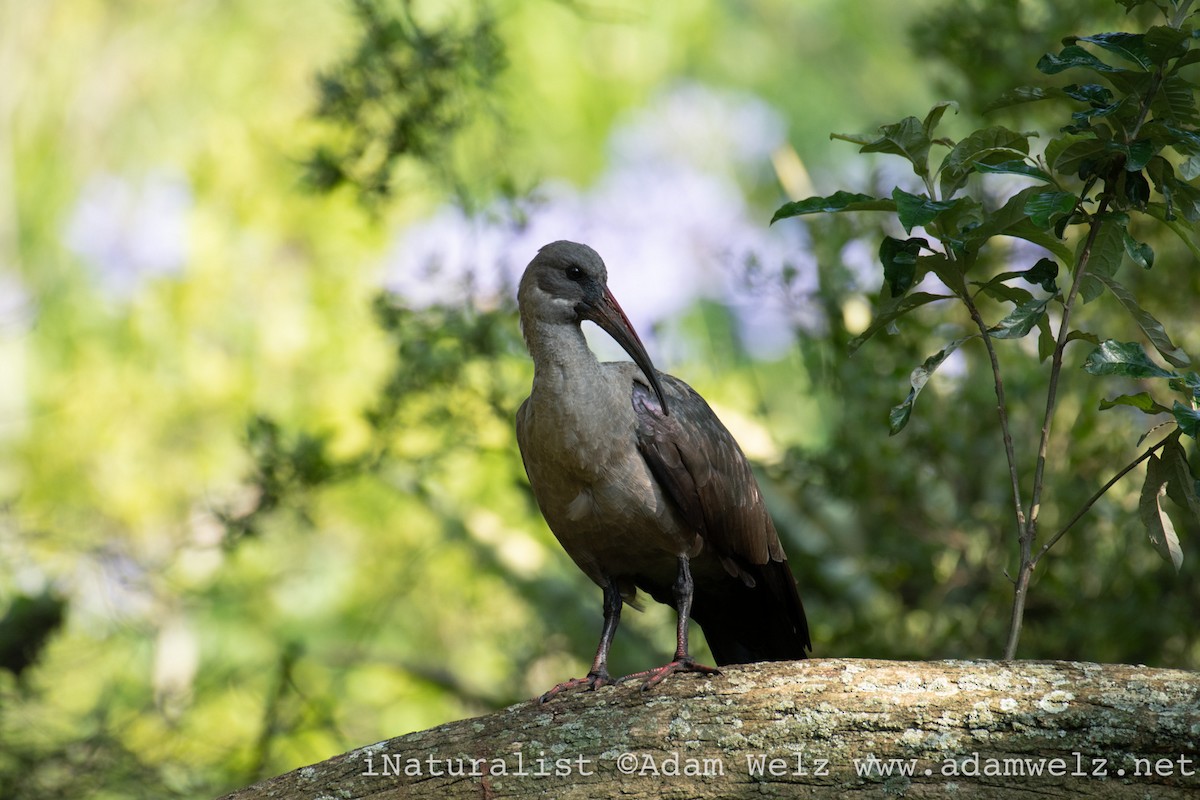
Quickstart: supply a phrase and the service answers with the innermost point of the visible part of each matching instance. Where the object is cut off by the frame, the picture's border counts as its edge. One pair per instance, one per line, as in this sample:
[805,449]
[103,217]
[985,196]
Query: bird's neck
[563,364]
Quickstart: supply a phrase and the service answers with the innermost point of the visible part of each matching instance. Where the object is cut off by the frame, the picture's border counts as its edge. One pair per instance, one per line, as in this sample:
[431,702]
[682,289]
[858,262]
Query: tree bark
[816,728]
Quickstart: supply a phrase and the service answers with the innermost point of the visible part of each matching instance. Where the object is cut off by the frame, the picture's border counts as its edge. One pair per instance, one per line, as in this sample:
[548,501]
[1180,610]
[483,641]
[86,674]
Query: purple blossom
[669,217]
[127,231]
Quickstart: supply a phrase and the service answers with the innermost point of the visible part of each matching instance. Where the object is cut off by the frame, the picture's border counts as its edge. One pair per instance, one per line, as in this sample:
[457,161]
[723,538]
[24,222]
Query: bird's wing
[703,471]
[757,615]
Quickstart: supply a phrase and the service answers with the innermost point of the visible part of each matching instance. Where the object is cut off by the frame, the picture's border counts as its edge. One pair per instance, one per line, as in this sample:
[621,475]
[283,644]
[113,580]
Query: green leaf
[1184,197]
[1043,273]
[853,138]
[1007,294]
[1142,401]
[1137,153]
[948,272]
[1164,43]
[1136,190]
[1021,320]
[1150,326]
[899,415]
[1092,93]
[1023,94]
[1108,249]
[1046,348]
[935,115]
[907,139]
[1072,57]
[899,259]
[1059,144]
[1181,484]
[1187,418]
[1138,252]
[1014,168]
[916,210]
[1083,336]
[1190,169]
[838,201]
[1123,358]
[1175,101]
[1187,59]
[1184,142]
[958,221]
[1084,121]
[1011,220]
[1047,208]
[992,145]
[1025,229]
[1188,384]
[1129,46]
[1071,158]
[1158,525]
[1046,342]
[892,310]
[1184,232]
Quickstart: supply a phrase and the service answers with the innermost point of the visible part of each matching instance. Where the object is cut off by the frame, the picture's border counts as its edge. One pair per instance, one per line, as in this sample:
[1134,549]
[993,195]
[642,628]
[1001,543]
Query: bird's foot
[656,676]
[593,681]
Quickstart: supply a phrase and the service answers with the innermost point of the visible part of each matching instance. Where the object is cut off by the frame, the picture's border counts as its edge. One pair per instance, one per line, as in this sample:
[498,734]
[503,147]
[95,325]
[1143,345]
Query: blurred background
[260,497]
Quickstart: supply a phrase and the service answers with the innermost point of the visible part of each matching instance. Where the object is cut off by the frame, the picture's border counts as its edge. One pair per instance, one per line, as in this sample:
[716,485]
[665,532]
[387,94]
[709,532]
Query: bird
[643,486]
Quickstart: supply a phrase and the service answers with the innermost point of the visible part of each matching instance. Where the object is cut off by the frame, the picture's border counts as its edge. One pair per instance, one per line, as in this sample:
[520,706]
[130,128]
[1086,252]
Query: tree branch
[817,728]
[1099,493]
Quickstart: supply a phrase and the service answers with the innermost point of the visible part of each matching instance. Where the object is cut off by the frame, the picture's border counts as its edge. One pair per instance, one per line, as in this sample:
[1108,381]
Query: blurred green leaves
[406,93]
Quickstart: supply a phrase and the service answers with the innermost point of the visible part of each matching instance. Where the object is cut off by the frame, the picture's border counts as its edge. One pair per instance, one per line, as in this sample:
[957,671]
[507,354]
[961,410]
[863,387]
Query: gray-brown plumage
[642,484]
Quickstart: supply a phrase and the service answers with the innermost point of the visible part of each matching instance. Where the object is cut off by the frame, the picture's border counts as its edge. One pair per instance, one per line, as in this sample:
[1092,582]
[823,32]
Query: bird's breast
[593,486]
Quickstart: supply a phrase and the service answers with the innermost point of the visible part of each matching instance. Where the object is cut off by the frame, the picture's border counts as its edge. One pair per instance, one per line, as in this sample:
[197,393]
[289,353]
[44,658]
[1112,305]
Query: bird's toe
[593,681]
[653,677]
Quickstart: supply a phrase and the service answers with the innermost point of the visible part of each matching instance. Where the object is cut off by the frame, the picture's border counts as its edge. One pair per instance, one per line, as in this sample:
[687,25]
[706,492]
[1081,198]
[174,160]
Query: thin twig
[1099,493]
[1056,362]
[1001,411]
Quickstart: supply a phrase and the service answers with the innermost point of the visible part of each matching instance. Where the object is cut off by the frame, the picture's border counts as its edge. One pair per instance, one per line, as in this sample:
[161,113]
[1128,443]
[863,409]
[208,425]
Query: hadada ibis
[641,483]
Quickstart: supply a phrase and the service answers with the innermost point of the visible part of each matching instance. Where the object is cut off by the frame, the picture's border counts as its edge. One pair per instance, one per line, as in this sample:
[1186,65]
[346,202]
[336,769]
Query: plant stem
[1181,14]
[1029,533]
[1001,410]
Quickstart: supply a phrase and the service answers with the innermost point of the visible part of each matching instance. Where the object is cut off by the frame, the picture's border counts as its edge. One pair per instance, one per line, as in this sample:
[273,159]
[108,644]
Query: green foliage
[1158,524]
[26,628]
[1123,358]
[1110,162]
[405,94]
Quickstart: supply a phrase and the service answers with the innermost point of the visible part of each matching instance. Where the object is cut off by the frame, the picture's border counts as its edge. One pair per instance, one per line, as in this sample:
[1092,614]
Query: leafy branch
[1131,147]
[405,95]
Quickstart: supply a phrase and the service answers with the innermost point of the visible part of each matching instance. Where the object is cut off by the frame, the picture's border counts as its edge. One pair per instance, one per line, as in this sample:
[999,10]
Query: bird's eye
[575,273]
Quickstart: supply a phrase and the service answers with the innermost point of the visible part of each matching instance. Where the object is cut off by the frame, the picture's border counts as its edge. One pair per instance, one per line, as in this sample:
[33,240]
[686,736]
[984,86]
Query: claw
[593,681]
[656,676]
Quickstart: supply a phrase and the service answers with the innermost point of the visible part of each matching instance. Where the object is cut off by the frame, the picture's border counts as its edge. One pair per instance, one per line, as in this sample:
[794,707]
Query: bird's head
[567,283]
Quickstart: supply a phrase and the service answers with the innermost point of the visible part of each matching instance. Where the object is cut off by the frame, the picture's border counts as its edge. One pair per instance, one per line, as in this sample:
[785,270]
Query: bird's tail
[745,624]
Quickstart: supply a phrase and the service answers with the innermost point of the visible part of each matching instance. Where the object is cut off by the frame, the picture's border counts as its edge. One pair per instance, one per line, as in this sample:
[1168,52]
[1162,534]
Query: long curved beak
[608,315]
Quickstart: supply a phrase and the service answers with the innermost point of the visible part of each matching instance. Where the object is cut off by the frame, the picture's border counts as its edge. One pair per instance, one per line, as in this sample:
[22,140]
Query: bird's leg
[683,661]
[598,675]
